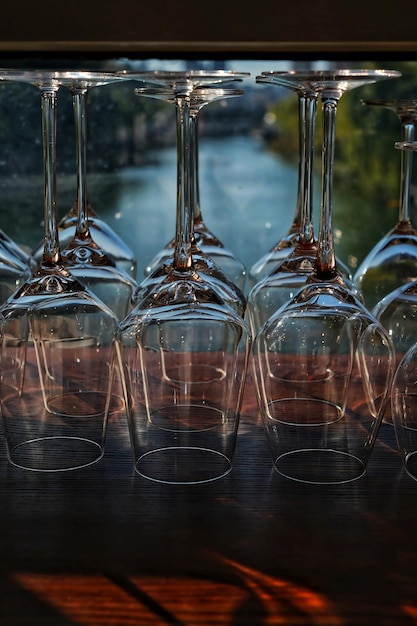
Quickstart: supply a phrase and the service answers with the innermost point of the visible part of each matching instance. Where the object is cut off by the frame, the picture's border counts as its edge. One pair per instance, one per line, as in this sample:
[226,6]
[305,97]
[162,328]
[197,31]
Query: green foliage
[286,142]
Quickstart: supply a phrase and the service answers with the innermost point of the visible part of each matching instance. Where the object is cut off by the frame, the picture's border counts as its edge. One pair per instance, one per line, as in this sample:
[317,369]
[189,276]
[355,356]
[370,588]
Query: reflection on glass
[82,255]
[195,85]
[204,239]
[57,352]
[392,262]
[323,364]
[184,350]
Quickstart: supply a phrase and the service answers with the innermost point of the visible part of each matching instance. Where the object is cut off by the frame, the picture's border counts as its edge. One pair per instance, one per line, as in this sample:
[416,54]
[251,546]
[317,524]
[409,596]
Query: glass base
[185,465]
[410,465]
[55,454]
[320,467]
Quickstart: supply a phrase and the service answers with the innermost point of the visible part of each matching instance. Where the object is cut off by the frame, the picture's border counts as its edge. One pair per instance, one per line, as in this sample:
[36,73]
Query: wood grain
[102,546]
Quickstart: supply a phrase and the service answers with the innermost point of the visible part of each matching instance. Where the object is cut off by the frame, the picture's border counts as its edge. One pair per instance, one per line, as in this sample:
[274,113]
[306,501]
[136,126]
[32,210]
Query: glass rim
[327,74]
[182,74]
[320,81]
[196,94]
[57,78]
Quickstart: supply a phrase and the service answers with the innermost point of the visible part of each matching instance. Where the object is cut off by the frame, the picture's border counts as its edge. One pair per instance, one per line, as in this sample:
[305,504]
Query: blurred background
[248,154]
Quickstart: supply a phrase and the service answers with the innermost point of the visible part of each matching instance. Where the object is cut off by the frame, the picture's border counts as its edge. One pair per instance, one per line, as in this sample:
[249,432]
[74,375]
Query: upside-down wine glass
[323,364]
[205,264]
[284,246]
[284,277]
[58,342]
[398,312]
[209,243]
[392,262]
[110,243]
[184,351]
[86,260]
[200,91]
[204,238]
[291,273]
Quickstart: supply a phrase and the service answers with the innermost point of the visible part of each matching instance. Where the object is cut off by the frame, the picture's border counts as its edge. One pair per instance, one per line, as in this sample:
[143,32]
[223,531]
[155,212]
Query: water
[248,198]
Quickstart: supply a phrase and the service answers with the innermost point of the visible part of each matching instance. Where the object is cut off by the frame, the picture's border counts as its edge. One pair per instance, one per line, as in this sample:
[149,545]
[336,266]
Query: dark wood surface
[218,27]
[103,546]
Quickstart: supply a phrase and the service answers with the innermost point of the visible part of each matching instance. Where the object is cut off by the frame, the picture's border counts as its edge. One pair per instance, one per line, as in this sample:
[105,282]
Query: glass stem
[408,129]
[307,150]
[326,261]
[302,102]
[184,230]
[79,98]
[195,190]
[51,252]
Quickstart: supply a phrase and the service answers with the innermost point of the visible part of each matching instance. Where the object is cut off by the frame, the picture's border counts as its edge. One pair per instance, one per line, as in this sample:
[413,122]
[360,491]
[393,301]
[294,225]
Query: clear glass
[404,410]
[184,351]
[323,364]
[205,240]
[392,262]
[291,273]
[58,342]
[200,92]
[82,222]
[397,311]
[86,260]
[289,264]
[286,244]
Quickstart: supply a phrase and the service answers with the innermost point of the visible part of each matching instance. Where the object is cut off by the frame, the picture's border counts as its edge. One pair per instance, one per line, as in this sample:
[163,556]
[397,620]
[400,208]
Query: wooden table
[103,546]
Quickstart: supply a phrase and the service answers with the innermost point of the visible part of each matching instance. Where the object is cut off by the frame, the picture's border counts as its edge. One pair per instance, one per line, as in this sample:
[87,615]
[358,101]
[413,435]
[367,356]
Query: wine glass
[184,351]
[82,255]
[283,278]
[323,364]
[285,245]
[205,264]
[110,243]
[393,260]
[403,409]
[291,273]
[58,341]
[204,238]
[195,84]
[397,310]
[207,241]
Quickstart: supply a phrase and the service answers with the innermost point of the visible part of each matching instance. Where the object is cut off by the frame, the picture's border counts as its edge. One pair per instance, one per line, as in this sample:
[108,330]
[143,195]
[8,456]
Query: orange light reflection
[410,611]
[279,594]
[162,601]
